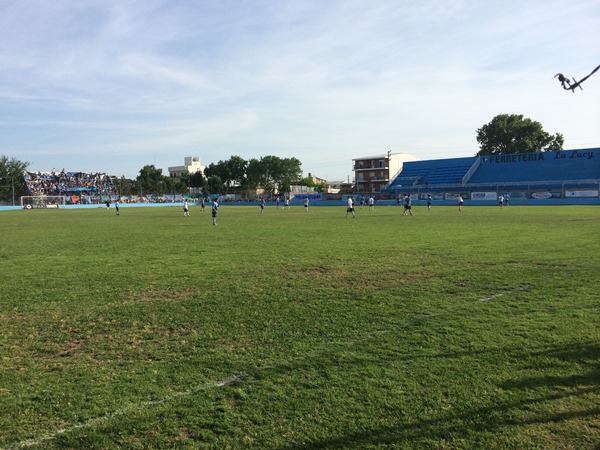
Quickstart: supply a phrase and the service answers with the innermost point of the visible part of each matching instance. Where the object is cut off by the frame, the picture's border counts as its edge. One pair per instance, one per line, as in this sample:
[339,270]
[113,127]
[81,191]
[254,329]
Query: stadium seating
[555,166]
[432,172]
[68,183]
[574,167]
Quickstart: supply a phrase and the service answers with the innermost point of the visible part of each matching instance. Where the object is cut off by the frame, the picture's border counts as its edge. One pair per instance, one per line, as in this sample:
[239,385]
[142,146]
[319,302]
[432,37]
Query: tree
[308,182]
[290,170]
[321,187]
[12,172]
[196,180]
[513,134]
[255,174]
[216,185]
[151,179]
[220,170]
[238,168]
[126,186]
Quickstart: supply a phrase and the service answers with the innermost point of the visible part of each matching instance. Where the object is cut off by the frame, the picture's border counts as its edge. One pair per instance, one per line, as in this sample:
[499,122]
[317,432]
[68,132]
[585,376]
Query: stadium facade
[554,177]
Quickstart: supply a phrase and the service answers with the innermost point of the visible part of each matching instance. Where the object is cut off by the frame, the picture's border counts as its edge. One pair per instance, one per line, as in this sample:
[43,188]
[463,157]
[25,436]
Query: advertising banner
[454,196]
[436,196]
[516,195]
[313,196]
[582,193]
[544,195]
[483,196]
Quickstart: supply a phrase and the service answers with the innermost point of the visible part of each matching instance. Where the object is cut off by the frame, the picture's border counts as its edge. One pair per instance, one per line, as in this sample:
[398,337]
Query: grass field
[296,330]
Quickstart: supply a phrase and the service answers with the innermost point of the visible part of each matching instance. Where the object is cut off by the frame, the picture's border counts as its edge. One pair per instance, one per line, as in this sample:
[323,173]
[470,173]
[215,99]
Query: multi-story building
[373,173]
[191,164]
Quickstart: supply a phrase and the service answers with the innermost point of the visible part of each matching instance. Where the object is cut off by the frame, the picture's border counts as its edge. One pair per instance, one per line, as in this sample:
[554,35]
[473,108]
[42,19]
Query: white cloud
[322,81]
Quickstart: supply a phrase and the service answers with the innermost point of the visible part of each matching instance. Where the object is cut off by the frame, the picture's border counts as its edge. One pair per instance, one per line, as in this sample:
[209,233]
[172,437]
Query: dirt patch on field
[161,295]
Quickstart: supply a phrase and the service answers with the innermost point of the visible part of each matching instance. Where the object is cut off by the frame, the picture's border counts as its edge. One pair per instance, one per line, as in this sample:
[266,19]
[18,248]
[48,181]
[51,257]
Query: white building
[191,164]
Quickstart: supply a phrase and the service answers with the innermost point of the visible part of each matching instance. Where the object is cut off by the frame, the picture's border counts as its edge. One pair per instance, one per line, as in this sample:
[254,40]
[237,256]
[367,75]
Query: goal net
[42,201]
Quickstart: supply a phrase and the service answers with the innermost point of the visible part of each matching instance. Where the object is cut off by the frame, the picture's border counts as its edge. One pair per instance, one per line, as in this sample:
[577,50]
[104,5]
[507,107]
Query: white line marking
[134,408]
[130,410]
[500,294]
[487,299]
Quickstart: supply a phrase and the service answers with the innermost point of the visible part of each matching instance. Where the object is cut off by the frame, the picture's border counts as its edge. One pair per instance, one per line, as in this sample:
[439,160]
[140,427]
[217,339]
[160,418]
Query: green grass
[296,330]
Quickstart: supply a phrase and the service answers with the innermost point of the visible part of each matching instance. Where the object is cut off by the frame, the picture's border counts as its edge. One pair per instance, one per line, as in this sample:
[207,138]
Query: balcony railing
[370,167]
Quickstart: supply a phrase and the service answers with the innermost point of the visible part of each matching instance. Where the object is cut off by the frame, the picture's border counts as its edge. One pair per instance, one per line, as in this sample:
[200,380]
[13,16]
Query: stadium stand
[563,173]
[551,166]
[74,185]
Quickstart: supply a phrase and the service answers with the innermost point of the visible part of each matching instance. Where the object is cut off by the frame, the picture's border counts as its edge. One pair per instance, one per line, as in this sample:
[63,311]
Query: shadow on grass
[486,419]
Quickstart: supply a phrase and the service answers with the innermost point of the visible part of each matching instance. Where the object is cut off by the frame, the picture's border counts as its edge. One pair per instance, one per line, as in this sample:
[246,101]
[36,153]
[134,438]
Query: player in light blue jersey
[215,210]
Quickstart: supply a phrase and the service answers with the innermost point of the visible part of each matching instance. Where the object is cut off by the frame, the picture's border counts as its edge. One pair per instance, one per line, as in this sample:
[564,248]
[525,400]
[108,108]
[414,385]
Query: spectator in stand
[55,183]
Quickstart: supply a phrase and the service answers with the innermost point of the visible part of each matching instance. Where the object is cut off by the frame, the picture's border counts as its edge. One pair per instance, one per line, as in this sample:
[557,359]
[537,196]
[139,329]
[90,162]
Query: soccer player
[429,200]
[117,206]
[407,205]
[186,209]
[261,204]
[350,208]
[215,210]
[202,204]
[460,202]
[501,200]
[371,203]
[306,202]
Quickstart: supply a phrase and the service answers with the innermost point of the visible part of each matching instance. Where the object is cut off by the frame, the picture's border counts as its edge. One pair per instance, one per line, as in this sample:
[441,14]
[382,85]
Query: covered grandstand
[75,187]
[562,176]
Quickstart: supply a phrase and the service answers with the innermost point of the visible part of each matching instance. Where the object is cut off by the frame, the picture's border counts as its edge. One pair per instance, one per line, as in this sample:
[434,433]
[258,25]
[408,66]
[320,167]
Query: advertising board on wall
[454,195]
[483,196]
[587,193]
[544,195]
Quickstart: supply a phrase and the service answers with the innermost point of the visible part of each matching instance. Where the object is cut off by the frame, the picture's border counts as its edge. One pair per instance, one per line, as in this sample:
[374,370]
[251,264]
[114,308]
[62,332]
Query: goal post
[42,201]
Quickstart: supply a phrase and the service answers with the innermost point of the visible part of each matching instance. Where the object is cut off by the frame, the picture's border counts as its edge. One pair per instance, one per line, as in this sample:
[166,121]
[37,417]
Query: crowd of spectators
[65,183]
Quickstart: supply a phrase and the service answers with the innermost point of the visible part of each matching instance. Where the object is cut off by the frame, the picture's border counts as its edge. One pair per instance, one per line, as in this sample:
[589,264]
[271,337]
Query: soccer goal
[42,201]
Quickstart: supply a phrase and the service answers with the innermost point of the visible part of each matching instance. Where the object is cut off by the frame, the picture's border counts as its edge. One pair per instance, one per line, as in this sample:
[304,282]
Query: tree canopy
[512,133]
[268,172]
[12,172]
[151,180]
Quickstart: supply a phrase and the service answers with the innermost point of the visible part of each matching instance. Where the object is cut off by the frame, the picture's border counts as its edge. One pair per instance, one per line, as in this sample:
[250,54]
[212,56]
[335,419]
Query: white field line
[492,297]
[500,294]
[137,407]
[131,409]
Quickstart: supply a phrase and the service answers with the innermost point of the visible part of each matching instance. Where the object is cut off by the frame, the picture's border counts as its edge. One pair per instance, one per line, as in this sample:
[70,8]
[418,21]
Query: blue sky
[113,85]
